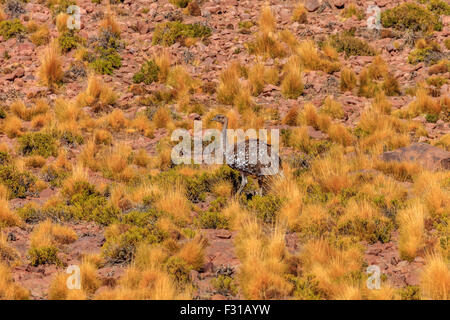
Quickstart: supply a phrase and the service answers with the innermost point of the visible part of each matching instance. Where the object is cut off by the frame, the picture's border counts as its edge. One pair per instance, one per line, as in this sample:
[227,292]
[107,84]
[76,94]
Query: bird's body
[240,158]
[246,157]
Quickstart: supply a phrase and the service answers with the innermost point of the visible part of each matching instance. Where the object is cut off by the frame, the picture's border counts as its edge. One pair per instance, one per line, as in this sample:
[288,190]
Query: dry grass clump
[435,278]
[8,218]
[41,36]
[402,171]
[98,95]
[8,254]
[3,15]
[411,221]
[9,290]
[174,203]
[50,72]
[311,58]
[332,269]
[13,127]
[331,171]
[430,186]
[266,42]
[61,21]
[290,214]
[300,14]
[340,134]
[163,61]
[19,109]
[110,23]
[149,278]
[263,256]
[292,84]
[115,164]
[348,79]
[49,234]
[90,282]
[332,108]
[423,104]
[291,117]
[229,84]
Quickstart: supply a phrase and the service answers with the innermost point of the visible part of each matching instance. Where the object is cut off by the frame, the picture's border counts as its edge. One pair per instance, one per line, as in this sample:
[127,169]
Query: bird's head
[220,118]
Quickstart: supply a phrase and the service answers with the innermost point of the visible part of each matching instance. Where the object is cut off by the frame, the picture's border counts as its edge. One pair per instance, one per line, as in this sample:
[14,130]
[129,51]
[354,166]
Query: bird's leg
[260,183]
[243,183]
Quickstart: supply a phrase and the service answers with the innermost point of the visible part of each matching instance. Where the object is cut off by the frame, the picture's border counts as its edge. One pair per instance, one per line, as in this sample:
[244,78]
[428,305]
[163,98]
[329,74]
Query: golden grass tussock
[348,79]
[267,23]
[175,203]
[300,13]
[110,22]
[229,84]
[331,172]
[9,290]
[50,71]
[292,84]
[49,234]
[98,94]
[411,221]
[435,278]
[8,254]
[430,186]
[331,268]
[3,15]
[61,21]
[263,269]
[8,218]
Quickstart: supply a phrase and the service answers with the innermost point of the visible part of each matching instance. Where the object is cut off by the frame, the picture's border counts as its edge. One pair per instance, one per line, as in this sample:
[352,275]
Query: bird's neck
[224,136]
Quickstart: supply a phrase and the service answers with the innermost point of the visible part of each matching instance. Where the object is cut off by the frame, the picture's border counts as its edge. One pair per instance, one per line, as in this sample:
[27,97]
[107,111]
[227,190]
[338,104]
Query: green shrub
[265,207]
[108,60]
[212,220]
[431,117]
[68,138]
[371,230]
[439,7]
[44,255]
[411,16]
[136,227]
[306,287]
[422,55]
[180,3]
[38,143]
[88,204]
[4,158]
[447,43]
[436,81]
[54,175]
[225,285]
[247,24]
[19,184]
[30,213]
[179,269]
[410,293]
[69,40]
[60,5]
[11,28]
[170,32]
[351,45]
[148,73]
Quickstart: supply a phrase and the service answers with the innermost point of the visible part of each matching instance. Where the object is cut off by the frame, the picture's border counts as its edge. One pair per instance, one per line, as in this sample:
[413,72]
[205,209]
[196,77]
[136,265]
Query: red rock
[312,5]
[430,157]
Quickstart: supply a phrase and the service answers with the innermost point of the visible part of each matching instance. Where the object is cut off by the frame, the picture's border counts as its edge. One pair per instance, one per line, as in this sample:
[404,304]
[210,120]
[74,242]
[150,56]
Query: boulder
[430,157]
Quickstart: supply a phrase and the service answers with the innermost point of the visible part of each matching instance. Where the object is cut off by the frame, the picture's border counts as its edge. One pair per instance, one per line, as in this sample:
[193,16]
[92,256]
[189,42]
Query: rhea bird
[247,159]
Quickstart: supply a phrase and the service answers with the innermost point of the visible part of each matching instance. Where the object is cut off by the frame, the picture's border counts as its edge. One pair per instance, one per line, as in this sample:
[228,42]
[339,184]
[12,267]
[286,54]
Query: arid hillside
[91,92]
